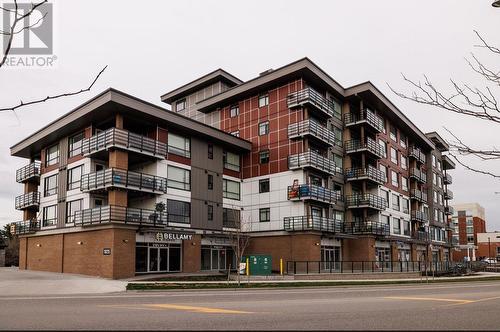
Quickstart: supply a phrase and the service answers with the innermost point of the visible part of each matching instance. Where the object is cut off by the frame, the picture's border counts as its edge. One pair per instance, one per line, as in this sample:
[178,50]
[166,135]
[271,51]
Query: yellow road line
[162,306]
[458,301]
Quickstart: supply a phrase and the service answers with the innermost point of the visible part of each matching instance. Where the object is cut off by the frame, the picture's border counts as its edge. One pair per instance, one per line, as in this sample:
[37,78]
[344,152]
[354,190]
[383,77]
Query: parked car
[490,260]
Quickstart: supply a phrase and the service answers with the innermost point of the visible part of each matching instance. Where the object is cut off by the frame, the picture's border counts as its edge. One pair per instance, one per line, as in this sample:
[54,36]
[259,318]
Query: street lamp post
[489,247]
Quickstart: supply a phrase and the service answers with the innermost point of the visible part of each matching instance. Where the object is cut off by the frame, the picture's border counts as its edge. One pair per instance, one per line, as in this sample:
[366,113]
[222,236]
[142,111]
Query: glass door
[153,260]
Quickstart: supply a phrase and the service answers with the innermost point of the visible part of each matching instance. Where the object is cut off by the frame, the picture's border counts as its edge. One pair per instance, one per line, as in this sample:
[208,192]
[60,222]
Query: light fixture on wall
[79,243]
[125,240]
[38,244]
[193,243]
[317,244]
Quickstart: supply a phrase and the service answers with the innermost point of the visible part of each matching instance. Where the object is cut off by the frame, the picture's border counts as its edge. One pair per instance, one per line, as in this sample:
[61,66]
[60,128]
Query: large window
[395,202]
[404,162]
[406,227]
[179,145]
[49,216]
[265,215]
[74,177]
[231,217]
[231,161]
[394,179]
[52,155]
[383,145]
[396,226]
[230,189]
[178,178]
[50,185]
[406,205]
[263,100]
[394,156]
[71,208]
[75,144]
[404,183]
[383,169]
[264,128]
[178,211]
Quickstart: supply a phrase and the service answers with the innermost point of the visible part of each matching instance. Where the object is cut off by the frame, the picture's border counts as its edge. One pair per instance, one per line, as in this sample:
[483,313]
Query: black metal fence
[28,171]
[25,227]
[119,214]
[27,200]
[123,178]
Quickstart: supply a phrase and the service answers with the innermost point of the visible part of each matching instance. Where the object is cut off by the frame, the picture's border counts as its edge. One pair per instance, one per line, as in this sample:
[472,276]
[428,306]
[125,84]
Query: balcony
[421,236]
[312,160]
[317,103]
[448,163]
[367,227]
[315,193]
[418,175]
[366,201]
[418,195]
[449,210]
[447,179]
[28,201]
[313,129]
[370,146]
[29,172]
[370,173]
[417,154]
[419,216]
[312,223]
[117,178]
[121,215]
[123,139]
[367,117]
[448,194]
[24,227]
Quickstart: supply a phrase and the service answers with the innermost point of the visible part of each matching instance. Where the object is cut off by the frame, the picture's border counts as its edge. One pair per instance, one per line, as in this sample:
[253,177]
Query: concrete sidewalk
[15,282]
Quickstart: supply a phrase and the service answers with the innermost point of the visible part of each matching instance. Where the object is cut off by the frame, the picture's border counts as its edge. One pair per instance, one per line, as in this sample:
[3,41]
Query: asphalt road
[449,306]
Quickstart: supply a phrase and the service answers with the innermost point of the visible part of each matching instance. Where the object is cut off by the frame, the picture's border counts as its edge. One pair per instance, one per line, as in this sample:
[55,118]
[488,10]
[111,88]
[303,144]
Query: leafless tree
[20,22]
[238,237]
[465,99]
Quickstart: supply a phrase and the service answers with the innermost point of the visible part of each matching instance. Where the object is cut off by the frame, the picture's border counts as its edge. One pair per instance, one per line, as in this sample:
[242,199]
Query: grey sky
[152,47]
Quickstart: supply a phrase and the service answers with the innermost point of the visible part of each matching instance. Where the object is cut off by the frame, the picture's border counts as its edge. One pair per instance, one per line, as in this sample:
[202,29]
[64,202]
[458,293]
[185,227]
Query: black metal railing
[313,98]
[447,179]
[418,175]
[27,200]
[119,214]
[313,128]
[113,177]
[417,154]
[365,116]
[366,200]
[369,172]
[449,210]
[310,191]
[29,171]
[311,159]
[370,145]
[115,137]
[419,216]
[421,236]
[24,227]
[313,223]
[367,227]
[448,194]
[418,195]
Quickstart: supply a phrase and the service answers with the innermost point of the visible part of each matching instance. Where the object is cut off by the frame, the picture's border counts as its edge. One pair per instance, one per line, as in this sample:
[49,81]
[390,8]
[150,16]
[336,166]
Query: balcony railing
[313,98]
[25,227]
[448,194]
[118,214]
[313,160]
[418,175]
[312,192]
[418,195]
[419,216]
[367,227]
[448,163]
[115,137]
[366,200]
[417,154]
[113,177]
[369,173]
[370,145]
[28,200]
[365,116]
[447,179]
[312,128]
[421,236]
[312,223]
[449,210]
[28,172]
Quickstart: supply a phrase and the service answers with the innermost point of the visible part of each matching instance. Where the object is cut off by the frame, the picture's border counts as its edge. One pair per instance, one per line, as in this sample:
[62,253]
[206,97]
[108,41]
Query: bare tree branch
[474,169]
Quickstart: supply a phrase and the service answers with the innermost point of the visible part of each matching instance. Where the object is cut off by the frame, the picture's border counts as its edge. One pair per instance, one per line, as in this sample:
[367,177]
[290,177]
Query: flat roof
[438,141]
[99,107]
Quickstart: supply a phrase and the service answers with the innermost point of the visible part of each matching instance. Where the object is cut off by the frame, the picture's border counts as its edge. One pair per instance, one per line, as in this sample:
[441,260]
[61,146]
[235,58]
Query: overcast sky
[152,47]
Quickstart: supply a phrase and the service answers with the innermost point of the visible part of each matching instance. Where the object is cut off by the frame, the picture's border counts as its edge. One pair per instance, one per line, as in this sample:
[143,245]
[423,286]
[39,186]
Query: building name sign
[165,236]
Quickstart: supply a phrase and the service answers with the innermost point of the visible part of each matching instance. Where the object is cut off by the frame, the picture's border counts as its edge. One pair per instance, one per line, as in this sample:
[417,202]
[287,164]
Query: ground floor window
[404,255]
[158,257]
[330,258]
[383,257]
[217,258]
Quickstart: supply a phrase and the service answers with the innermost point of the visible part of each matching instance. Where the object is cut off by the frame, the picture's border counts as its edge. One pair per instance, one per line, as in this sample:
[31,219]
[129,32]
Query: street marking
[475,301]
[457,301]
[162,306]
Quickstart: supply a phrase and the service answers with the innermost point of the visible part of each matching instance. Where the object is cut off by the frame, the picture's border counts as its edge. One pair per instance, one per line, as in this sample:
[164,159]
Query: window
[49,215]
[50,185]
[470,238]
[383,145]
[404,183]
[75,144]
[384,220]
[71,208]
[235,133]
[210,212]
[52,155]
[337,133]
[264,157]
[439,165]
[440,182]
[404,162]
[470,229]
[264,186]
[434,161]
[395,202]
[436,213]
[231,161]
[210,182]
[178,178]
[394,156]
[396,226]
[402,140]
[180,105]
[406,227]
[74,177]
[435,197]
[210,151]
[339,162]
[179,145]
[234,111]
[434,179]
[265,215]
[394,179]
[385,194]
[263,100]
[263,128]
[394,133]
[406,206]
[383,169]
[179,211]
[231,218]
[230,189]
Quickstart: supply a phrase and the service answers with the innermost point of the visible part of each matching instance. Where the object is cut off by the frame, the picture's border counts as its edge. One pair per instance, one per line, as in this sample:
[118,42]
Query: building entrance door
[158,257]
[330,258]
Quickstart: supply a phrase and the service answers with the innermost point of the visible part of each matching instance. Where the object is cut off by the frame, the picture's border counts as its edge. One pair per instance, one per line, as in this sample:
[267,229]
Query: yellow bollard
[248,267]
[281,266]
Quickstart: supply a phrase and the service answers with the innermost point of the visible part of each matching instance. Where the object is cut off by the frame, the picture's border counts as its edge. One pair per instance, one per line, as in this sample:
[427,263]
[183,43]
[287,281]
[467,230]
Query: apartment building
[467,220]
[488,245]
[310,170]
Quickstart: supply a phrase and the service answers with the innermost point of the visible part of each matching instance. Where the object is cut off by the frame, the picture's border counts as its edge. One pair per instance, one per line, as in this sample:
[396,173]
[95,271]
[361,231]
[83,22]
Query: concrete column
[119,121]
[191,255]
[118,159]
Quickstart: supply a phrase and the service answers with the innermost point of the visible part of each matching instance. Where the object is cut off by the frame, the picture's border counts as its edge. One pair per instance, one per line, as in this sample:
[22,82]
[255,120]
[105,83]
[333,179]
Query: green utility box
[260,265]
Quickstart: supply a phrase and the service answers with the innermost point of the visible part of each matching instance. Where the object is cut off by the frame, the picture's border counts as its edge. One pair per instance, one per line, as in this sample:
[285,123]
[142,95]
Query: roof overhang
[439,142]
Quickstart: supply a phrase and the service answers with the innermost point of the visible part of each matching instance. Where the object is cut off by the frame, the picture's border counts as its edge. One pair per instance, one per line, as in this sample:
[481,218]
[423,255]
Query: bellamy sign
[164,236]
